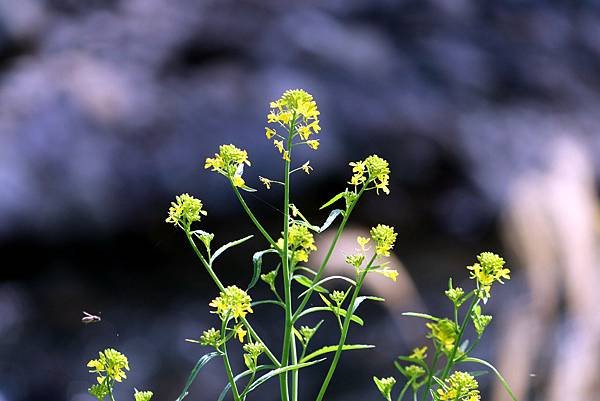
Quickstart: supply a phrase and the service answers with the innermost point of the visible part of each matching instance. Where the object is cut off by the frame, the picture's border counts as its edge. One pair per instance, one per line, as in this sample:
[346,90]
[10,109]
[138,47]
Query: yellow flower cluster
[385,386]
[185,210]
[110,364]
[211,337]
[297,113]
[460,386]
[232,302]
[490,268]
[229,162]
[374,170]
[444,333]
[419,353]
[384,237]
[142,395]
[301,242]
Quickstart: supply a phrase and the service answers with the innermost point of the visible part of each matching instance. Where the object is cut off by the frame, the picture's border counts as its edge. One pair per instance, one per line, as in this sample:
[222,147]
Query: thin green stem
[110,393]
[436,357]
[251,215]
[287,288]
[450,361]
[404,389]
[234,389]
[344,333]
[294,383]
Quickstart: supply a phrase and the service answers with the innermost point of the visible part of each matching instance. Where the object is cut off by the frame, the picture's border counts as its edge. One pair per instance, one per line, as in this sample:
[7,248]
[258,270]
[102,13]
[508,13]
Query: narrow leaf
[247,188]
[498,375]
[243,374]
[228,245]
[268,301]
[330,219]
[276,372]
[194,373]
[306,282]
[326,279]
[332,200]
[360,300]
[421,315]
[257,264]
[314,309]
[333,348]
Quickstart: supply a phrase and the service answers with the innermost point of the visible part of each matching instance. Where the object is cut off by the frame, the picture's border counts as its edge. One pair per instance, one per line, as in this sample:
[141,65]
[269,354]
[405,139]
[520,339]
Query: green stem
[251,215]
[436,357]
[287,288]
[110,393]
[328,255]
[344,333]
[294,384]
[450,361]
[234,389]
[404,389]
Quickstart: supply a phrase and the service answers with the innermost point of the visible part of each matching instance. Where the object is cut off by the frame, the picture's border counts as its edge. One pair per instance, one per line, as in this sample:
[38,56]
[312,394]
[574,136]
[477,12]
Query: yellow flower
[306,167]
[419,353]
[232,302]
[313,144]
[362,241]
[270,133]
[460,386]
[301,242]
[286,155]
[297,112]
[389,273]
[265,181]
[240,333]
[384,237]
[185,210]
[238,181]
[489,269]
[278,145]
[373,170]
[444,333]
[110,362]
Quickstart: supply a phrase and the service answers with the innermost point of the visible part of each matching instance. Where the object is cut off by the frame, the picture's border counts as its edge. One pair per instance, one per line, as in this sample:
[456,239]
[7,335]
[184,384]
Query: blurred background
[487,111]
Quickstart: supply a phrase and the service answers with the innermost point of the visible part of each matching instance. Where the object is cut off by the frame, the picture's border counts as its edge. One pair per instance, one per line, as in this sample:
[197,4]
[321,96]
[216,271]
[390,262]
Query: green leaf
[276,372]
[421,315]
[194,373]
[498,375]
[243,374]
[257,263]
[268,301]
[334,213]
[306,269]
[306,282]
[359,300]
[228,245]
[326,279]
[333,200]
[314,309]
[333,348]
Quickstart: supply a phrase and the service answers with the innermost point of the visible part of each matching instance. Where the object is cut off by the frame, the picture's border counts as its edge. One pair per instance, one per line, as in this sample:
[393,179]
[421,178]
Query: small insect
[89,318]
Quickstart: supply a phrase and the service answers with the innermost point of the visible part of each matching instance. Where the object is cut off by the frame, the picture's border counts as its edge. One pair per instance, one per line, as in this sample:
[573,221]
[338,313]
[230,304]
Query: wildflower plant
[298,283]
[293,122]
[437,378]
